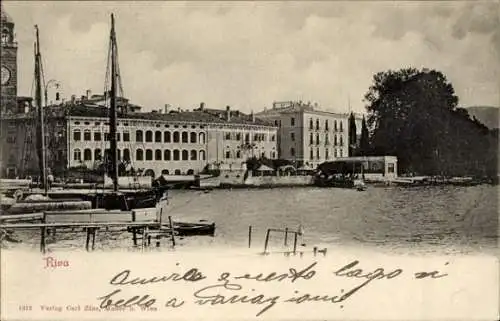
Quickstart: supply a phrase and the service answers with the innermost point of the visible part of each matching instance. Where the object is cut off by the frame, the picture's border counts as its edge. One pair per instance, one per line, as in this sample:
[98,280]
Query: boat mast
[112,111]
[40,122]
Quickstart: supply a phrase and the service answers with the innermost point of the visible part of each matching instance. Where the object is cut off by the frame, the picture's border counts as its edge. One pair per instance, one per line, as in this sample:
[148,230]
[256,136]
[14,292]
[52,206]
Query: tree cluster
[413,114]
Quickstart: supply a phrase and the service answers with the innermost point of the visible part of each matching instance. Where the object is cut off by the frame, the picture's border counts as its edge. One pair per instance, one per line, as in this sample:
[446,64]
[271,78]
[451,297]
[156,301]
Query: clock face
[5,75]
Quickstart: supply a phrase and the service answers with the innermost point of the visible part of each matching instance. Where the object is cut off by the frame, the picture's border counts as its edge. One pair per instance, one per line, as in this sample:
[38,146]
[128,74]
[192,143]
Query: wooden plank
[30,216]
[146,214]
[81,225]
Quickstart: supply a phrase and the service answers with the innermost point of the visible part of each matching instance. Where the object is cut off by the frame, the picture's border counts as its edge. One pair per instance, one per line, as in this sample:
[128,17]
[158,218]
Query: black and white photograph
[291,160]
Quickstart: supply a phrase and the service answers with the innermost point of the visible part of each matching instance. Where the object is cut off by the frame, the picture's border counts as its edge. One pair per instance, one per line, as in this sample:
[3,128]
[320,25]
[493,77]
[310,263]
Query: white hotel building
[306,135]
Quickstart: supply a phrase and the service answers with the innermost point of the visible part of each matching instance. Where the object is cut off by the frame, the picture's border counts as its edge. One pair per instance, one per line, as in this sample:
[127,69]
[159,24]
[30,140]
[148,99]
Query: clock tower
[8,60]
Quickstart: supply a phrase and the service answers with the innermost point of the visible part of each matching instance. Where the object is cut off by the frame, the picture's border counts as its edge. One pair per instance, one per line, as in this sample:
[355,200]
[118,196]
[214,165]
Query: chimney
[82,98]
[228,113]
[253,117]
[167,107]
[179,109]
[73,99]
[202,106]
[89,93]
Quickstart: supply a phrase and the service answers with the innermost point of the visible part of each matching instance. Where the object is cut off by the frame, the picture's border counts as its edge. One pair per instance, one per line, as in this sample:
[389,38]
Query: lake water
[423,220]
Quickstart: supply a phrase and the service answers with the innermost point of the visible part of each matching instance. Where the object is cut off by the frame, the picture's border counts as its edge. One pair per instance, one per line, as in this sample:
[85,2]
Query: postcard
[267,160]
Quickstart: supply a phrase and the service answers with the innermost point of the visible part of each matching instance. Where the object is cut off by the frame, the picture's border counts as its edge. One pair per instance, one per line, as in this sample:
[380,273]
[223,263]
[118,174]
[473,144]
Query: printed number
[25,307]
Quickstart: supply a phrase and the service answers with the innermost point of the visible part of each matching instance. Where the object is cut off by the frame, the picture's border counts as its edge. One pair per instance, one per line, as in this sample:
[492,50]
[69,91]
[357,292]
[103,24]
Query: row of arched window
[140,154]
[147,137]
[238,154]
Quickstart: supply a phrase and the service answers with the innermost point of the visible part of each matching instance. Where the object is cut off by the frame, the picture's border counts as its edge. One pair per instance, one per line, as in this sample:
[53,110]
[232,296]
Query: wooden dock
[142,223]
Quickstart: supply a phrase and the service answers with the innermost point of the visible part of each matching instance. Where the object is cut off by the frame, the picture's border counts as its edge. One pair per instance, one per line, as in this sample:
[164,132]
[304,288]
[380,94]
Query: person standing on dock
[50,180]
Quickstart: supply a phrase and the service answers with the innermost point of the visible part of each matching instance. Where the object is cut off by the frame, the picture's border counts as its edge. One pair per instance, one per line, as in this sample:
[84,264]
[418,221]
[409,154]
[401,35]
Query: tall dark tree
[352,135]
[413,115]
[364,142]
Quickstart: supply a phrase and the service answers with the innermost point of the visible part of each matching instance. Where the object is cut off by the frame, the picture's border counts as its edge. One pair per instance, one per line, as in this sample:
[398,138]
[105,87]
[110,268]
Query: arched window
[311,154]
[149,136]
[87,154]
[317,139]
[87,136]
[311,139]
[193,138]
[341,140]
[149,154]
[158,136]
[238,154]
[77,135]
[177,172]
[97,154]
[326,124]
[138,136]
[228,154]
[77,154]
[126,154]
[194,154]
[176,137]
[139,154]
[341,127]
[165,172]
[317,124]
[201,138]
[166,155]
[335,141]
[185,155]
[310,123]
[202,155]
[158,154]
[327,139]
[190,172]
[176,154]
[335,125]
[185,137]
[166,137]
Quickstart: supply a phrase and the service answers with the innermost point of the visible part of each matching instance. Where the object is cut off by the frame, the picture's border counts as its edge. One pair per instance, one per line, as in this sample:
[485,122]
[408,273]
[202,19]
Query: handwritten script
[230,288]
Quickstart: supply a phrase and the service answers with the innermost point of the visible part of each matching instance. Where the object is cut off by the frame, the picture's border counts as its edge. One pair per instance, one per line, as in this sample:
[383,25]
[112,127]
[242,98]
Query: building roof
[294,107]
[208,116]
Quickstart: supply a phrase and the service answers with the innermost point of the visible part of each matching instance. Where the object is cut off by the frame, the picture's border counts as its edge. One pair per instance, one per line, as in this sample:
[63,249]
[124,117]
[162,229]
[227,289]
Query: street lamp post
[50,82]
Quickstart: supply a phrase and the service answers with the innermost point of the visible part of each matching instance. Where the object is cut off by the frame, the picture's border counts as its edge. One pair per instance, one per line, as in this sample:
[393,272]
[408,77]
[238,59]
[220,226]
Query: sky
[249,54]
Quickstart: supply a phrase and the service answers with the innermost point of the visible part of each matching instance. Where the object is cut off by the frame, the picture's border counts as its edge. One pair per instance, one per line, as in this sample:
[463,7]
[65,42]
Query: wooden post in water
[250,236]
[94,230]
[295,243]
[286,235]
[42,239]
[172,230]
[87,241]
[267,240]
[143,241]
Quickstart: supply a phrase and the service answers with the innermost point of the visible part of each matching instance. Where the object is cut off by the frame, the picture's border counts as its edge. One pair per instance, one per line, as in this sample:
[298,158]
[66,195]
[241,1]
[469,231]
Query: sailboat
[41,203]
[115,199]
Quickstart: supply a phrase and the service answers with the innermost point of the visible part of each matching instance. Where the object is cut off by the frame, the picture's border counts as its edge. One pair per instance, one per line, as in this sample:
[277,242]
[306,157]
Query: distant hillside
[487,115]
